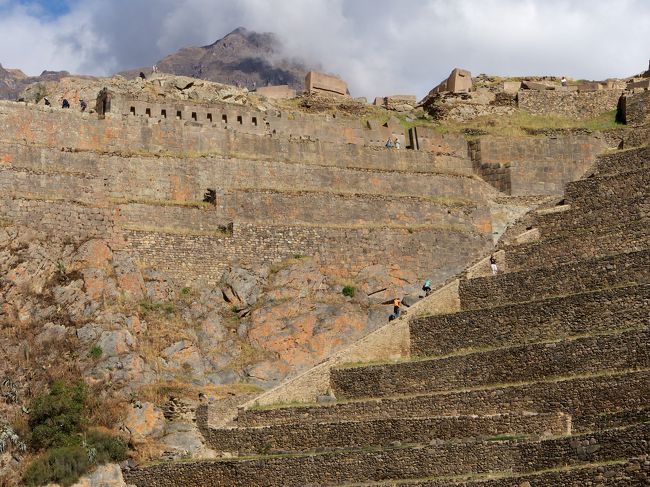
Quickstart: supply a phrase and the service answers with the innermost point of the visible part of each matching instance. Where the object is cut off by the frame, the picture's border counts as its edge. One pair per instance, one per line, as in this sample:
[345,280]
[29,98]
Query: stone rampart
[524,165]
[399,463]
[589,243]
[514,364]
[636,108]
[191,254]
[186,179]
[600,311]
[276,92]
[570,104]
[578,396]
[380,432]
[545,282]
[50,127]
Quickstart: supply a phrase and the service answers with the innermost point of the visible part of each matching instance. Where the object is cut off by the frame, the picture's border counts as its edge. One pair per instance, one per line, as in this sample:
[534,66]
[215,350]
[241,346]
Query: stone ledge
[530,362]
[533,321]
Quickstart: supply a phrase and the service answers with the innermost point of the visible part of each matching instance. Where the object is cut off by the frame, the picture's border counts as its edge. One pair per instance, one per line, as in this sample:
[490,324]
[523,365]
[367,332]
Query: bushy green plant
[57,415]
[95,352]
[349,291]
[108,448]
[61,465]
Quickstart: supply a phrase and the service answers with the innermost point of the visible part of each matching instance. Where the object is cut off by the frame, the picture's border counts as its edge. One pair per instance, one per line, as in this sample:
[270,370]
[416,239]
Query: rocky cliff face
[244,58]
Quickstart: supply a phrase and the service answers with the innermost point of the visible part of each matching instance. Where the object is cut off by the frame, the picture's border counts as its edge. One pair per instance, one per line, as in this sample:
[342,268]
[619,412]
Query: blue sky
[379,46]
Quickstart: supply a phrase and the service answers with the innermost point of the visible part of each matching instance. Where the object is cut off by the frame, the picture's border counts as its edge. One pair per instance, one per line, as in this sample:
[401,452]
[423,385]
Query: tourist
[563,81]
[142,75]
[65,104]
[389,143]
[47,102]
[493,265]
[397,144]
[427,286]
[154,69]
[397,302]
[83,104]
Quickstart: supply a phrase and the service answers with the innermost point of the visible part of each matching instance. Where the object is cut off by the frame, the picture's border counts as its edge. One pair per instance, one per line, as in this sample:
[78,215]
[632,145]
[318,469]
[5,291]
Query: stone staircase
[541,379]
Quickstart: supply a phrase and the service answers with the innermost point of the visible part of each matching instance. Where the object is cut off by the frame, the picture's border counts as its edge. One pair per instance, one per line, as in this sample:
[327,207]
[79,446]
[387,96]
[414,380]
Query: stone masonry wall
[617,309]
[349,434]
[133,135]
[580,396]
[636,108]
[524,166]
[398,463]
[570,104]
[521,363]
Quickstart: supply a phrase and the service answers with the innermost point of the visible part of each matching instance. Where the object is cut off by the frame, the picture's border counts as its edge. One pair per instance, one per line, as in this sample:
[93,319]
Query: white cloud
[379,46]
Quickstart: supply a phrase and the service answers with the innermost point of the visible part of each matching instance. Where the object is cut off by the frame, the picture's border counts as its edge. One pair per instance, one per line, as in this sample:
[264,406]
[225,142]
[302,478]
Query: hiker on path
[397,144]
[154,69]
[65,104]
[142,75]
[397,302]
[427,286]
[83,104]
[389,143]
[47,102]
[493,265]
[563,81]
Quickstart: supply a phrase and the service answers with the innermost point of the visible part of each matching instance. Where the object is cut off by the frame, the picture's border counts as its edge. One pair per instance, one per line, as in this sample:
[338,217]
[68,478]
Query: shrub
[349,291]
[95,352]
[185,290]
[56,416]
[61,465]
[108,448]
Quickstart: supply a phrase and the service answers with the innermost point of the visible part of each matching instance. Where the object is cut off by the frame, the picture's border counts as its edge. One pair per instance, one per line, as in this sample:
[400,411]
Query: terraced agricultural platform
[541,379]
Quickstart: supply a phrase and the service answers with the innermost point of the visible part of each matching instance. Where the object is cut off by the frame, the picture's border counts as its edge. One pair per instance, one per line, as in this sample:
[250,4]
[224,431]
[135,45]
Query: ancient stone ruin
[178,236]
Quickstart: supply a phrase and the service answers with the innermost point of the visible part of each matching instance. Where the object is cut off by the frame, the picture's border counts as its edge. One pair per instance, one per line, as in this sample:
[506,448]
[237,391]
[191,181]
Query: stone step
[623,161]
[590,243]
[530,362]
[406,462]
[596,191]
[634,211]
[310,436]
[545,282]
[528,322]
[584,397]
[634,472]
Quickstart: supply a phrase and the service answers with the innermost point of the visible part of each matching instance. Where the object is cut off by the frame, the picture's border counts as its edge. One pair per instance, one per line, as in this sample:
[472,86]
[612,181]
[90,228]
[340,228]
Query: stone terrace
[541,379]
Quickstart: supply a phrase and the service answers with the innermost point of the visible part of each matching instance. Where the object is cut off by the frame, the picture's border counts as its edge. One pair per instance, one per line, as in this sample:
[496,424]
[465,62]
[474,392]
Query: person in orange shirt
[396,307]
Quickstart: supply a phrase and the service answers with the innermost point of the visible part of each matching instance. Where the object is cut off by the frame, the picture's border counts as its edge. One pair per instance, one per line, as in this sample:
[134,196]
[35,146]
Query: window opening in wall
[194,116]
[132,110]
[240,119]
[224,118]
[163,113]
[179,115]
[148,112]
[209,117]
[254,120]
[210,196]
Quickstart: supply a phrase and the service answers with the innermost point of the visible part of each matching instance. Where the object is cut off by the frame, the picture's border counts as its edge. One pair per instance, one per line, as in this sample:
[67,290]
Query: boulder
[108,475]
[145,420]
[114,343]
[241,287]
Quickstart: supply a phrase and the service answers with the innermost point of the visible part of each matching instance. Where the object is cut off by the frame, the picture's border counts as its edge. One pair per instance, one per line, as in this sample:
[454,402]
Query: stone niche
[316,82]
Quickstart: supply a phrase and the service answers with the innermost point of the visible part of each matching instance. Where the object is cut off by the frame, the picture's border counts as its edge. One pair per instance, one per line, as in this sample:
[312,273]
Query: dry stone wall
[570,104]
[524,166]
[397,463]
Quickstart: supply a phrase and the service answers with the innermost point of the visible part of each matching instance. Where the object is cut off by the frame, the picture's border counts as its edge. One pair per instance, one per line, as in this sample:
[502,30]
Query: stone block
[511,87]
[277,92]
[320,82]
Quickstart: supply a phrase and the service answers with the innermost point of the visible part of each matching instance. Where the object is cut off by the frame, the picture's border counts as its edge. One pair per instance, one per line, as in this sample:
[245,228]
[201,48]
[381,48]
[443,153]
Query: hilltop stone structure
[240,239]
[316,82]
[535,376]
